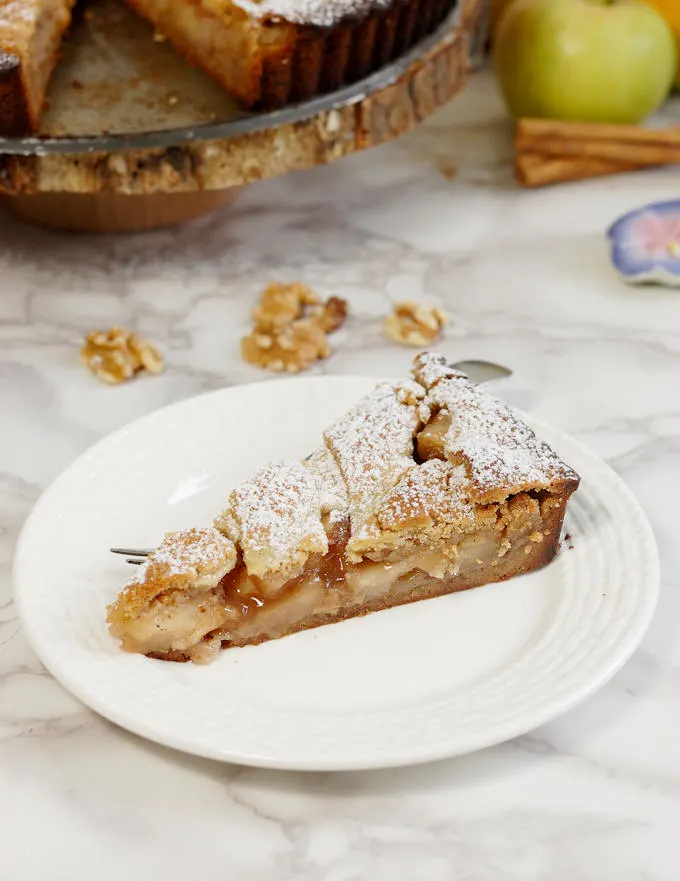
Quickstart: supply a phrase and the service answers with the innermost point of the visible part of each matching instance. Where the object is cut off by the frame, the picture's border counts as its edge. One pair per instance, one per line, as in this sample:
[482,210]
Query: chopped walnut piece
[147,354]
[116,355]
[292,349]
[290,327]
[332,314]
[282,303]
[415,324]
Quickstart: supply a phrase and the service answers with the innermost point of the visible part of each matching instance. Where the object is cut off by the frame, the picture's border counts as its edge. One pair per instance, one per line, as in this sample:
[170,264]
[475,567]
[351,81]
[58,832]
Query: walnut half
[415,324]
[289,328]
[117,354]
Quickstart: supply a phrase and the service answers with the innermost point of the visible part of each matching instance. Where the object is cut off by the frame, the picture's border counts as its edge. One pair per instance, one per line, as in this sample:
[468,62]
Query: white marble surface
[592,797]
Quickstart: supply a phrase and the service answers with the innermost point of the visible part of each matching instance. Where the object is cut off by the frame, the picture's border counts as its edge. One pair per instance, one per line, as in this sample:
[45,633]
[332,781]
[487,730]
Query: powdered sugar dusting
[434,492]
[367,470]
[430,367]
[502,453]
[332,489]
[190,554]
[17,14]
[373,446]
[322,13]
[279,515]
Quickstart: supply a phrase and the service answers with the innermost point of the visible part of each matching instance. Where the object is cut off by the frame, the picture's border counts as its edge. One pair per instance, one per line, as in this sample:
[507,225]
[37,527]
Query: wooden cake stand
[134,138]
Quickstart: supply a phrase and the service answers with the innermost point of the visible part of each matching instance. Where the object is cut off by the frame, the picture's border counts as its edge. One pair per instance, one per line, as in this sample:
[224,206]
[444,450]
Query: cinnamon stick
[618,143]
[555,151]
[538,170]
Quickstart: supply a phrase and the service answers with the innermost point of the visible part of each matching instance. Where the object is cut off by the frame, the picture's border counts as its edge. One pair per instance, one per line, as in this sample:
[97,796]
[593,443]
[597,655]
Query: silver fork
[136,556]
[477,371]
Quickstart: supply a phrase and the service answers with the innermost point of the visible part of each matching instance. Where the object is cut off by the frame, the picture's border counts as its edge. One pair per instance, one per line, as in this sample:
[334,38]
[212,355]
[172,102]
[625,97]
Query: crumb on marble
[447,169]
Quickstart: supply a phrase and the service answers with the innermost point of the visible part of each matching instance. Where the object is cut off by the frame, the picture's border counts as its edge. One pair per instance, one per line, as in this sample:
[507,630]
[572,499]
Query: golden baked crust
[373,448]
[501,454]
[193,558]
[30,36]
[423,488]
[267,59]
[275,518]
[174,602]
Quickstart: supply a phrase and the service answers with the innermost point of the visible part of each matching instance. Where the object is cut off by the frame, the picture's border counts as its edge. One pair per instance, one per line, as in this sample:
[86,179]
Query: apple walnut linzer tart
[424,488]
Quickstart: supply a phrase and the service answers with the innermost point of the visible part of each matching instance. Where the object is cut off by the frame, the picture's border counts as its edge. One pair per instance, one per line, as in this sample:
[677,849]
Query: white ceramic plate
[433,679]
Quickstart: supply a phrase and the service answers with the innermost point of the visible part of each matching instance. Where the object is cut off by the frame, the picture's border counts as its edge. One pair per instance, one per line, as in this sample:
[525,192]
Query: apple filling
[243,609]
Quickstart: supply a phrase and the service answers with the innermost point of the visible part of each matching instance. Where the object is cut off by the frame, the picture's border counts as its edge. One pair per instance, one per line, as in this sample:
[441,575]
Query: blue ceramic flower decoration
[645,244]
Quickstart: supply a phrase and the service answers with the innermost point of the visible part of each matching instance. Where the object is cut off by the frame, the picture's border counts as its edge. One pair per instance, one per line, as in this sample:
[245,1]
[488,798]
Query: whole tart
[268,53]
[424,488]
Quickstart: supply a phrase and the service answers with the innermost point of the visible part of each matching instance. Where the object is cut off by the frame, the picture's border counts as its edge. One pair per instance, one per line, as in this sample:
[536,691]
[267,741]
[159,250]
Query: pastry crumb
[415,324]
[447,169]
[290,327]
[116,355]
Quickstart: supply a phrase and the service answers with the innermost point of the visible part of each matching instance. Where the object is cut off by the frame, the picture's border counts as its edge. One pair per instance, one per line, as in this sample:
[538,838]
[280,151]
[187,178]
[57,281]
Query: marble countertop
[525,277]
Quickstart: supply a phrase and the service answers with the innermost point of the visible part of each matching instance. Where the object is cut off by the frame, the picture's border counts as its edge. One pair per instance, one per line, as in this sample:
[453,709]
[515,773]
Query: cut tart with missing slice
[424,488]
[268,53]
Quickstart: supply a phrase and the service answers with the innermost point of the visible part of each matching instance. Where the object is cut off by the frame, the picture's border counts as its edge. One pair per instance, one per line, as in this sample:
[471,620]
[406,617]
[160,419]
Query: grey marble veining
[525,277]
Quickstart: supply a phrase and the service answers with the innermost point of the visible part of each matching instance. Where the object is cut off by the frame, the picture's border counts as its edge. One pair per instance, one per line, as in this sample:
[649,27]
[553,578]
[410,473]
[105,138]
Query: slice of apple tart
[424,488]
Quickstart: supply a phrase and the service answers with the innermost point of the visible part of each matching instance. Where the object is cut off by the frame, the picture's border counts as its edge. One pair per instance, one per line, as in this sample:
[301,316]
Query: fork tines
[136,556]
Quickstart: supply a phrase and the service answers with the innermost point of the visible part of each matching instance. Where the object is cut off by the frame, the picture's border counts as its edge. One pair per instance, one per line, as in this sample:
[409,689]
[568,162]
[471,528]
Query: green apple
[587,60]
